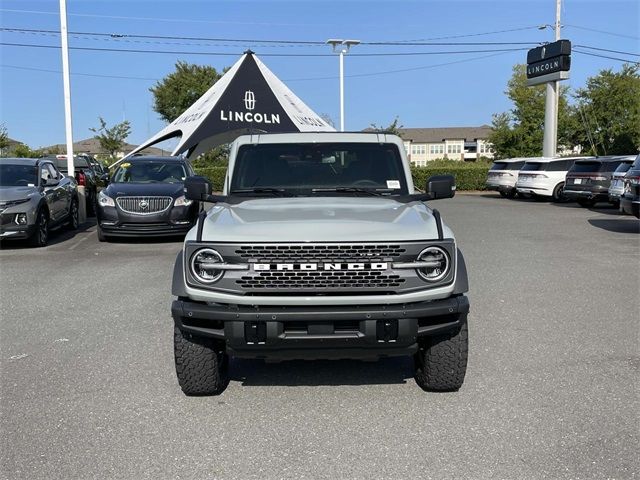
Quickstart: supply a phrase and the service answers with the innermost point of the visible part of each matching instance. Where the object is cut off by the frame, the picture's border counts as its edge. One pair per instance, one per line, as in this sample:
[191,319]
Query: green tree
[23,151]
[393,128]
[180,89]
[607,112]
[112,139]
[4,138]
[520,131]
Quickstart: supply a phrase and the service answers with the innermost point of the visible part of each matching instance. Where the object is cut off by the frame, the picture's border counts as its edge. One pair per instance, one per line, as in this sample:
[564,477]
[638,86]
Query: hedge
[469,176]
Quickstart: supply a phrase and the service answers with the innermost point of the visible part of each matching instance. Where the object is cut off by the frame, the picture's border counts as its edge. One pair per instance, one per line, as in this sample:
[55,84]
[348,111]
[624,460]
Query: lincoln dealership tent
[248,98]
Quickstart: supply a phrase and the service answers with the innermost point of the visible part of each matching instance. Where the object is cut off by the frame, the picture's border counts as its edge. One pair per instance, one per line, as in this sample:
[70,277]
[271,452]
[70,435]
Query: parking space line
[78,243]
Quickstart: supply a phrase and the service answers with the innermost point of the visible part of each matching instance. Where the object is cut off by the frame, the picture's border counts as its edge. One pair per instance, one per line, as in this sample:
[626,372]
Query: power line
[607,50]
[626,60]
[118,36]
[386,72]
[173,52]
[601,31]
[532,27]
[369,74]
[33,69]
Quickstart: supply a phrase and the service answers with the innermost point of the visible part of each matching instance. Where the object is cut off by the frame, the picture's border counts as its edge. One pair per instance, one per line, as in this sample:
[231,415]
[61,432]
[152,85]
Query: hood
[8,194]
[145,189]
[324,219]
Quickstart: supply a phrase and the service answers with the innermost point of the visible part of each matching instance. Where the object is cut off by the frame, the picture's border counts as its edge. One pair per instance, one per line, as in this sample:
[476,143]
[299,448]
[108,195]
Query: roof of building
[437,135]
[92,147]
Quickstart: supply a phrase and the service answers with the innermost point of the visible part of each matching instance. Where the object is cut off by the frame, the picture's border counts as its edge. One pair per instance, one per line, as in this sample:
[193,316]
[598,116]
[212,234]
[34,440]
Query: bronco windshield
[18,175]
[150,172]
[319,168]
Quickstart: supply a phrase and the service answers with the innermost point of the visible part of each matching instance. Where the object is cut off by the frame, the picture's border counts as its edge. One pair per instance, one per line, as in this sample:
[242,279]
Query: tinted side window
[515,165]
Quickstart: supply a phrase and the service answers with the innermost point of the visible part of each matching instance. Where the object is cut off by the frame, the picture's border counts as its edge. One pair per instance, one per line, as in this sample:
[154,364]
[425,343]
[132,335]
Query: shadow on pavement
[622,225]
[296,373]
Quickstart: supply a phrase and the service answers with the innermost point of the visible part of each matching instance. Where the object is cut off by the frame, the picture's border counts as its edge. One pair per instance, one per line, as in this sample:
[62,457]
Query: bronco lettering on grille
[320,266]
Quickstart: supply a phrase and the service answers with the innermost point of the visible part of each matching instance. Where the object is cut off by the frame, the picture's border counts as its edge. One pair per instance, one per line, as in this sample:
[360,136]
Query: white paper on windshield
[393,183]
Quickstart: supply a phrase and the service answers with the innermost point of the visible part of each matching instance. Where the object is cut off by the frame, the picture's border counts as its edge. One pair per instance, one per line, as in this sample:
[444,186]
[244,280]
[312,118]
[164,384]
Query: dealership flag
[249,98]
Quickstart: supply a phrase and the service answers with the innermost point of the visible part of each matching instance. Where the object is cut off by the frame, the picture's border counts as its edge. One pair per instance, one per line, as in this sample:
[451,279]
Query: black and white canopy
[248,98]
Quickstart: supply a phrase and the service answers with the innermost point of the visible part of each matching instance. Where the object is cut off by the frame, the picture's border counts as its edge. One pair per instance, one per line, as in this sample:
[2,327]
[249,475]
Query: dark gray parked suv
[35,198]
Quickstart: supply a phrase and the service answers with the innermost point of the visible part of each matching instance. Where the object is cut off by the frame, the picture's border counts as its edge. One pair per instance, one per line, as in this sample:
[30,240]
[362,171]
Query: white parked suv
[503,175]
[544,177]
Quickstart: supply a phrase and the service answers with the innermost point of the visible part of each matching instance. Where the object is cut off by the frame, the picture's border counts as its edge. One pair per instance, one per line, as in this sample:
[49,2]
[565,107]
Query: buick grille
[144,205]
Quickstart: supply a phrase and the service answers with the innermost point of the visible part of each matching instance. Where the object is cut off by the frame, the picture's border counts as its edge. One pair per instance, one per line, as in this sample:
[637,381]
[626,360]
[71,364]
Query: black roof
[23,161]
[153,158]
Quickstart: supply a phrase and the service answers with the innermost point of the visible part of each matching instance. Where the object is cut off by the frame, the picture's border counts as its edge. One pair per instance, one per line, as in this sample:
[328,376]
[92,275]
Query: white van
[544,177]
[503,175]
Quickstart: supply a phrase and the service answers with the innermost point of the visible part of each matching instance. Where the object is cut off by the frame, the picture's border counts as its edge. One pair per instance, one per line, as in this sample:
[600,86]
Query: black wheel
[586,203]
[201,364]
[74,221]
[101,236]
[441,362]
[41,235]
[502,194]
[511,193]
[558,193]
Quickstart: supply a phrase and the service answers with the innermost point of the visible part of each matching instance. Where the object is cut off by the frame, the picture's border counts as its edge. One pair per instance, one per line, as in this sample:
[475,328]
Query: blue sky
[424,95]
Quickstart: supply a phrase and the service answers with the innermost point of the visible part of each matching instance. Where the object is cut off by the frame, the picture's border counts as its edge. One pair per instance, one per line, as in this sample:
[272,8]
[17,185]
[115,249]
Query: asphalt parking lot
[552,390]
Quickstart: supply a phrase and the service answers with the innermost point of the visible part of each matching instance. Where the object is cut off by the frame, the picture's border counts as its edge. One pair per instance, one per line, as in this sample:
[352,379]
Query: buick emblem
[143,204]
[249,100]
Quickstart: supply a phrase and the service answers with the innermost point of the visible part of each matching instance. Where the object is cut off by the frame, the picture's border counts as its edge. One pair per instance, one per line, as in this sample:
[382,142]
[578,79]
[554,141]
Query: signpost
[549,64]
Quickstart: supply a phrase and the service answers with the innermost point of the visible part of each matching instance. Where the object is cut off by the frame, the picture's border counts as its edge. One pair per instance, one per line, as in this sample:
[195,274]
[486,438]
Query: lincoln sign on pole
[549,63]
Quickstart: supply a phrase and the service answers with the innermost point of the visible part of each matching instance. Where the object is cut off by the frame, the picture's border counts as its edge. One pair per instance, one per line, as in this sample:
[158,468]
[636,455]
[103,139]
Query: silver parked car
[34,199]
[616,188]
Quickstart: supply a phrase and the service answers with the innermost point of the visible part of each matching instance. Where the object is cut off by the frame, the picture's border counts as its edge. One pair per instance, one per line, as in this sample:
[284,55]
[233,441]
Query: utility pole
[344,47]
[67,86]
[550,143]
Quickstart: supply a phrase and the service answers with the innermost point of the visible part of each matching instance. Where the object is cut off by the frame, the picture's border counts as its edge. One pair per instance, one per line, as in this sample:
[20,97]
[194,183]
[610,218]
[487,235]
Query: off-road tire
[441,361]
[41,235]
[201,364]
[558,195]
[585,203]
[74,215]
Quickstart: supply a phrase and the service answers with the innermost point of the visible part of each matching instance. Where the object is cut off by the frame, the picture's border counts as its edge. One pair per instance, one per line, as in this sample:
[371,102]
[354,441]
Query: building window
[485,148]
[418,149]
[420,163]
[436,149]
[454,148]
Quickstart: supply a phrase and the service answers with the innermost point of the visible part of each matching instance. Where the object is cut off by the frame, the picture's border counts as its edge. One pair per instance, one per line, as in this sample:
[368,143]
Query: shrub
[214,174]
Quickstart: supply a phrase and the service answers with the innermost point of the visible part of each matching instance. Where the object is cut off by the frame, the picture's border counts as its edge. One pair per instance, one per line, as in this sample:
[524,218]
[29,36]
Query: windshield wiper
[351,190]
[279,192]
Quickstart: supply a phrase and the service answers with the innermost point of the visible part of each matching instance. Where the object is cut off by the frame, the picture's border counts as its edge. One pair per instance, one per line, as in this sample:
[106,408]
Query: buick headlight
[105,200]
[435,264]
[205,265]
[182,202]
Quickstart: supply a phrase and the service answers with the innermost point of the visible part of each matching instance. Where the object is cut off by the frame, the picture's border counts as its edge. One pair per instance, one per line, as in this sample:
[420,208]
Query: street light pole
[67,86]
[344,47]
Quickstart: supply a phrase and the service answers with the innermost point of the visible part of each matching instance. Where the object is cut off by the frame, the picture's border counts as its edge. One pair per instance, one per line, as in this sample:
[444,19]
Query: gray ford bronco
[319,247]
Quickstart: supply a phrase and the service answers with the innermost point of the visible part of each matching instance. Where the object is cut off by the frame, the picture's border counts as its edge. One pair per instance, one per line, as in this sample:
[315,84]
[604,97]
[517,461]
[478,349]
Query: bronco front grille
[320,280]
[302,253]
[144,205]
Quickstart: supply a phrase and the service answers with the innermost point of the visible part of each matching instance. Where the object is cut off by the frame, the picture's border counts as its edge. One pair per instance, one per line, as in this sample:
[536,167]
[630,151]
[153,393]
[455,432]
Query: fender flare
[462,281]
[177,284]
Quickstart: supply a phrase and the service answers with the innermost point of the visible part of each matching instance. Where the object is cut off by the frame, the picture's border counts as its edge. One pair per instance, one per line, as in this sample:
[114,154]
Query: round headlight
[439,264]
[203,264]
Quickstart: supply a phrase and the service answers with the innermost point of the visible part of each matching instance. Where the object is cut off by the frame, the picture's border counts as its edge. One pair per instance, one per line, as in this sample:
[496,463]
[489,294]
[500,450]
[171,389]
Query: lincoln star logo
[543,52]
[249,100]
[258,267]
[143,204]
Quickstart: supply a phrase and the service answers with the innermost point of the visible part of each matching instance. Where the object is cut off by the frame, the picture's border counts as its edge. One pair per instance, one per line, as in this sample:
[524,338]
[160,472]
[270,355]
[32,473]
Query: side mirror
[197,188]
[105,177]
[441,186]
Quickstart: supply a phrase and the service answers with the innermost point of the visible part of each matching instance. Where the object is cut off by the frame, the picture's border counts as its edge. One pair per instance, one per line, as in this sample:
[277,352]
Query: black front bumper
[173,221]
[144,229]
[369,331]
[15,232]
